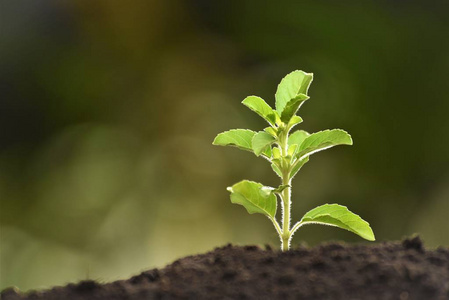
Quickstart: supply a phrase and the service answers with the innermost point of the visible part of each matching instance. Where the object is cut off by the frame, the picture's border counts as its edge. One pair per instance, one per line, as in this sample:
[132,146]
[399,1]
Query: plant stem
[286,215]
[286,194]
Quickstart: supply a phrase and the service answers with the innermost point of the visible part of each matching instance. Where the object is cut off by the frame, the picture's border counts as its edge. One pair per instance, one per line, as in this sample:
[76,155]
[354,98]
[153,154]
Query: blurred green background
[108,110]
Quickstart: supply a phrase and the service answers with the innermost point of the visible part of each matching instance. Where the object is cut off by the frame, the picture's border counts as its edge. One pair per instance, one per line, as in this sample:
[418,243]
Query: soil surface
[394,270]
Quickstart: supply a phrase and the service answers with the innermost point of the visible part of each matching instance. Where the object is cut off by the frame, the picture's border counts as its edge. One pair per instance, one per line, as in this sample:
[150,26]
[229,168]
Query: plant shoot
[287,151]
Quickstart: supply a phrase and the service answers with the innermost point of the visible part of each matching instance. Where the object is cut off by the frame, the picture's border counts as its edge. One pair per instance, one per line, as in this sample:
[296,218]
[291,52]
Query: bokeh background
[108,110]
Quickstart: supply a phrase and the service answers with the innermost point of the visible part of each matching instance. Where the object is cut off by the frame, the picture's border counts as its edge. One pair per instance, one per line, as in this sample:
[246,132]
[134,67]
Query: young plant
[287,153]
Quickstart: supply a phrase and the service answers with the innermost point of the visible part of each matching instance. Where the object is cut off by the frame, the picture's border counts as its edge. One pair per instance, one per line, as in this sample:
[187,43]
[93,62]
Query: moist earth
[390,270]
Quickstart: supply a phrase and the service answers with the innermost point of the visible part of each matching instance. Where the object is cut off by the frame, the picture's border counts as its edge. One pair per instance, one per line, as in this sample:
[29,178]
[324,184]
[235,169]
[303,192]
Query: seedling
[287,153]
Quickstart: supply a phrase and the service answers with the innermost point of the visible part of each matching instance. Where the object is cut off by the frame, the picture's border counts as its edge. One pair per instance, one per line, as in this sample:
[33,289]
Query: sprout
[287,152]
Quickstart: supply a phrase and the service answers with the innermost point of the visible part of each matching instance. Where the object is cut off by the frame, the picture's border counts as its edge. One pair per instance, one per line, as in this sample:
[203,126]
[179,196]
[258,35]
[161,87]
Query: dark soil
[399,270]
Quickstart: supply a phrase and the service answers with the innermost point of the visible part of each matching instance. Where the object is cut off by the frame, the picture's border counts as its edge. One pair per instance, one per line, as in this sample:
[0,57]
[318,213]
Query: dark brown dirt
[399,270]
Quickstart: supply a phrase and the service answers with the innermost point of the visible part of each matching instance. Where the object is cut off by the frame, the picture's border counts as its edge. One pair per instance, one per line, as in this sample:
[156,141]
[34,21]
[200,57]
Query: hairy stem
[286,193]
[286,215]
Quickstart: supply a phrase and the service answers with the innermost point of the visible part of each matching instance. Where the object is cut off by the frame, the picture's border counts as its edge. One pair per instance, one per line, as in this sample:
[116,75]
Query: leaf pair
[255,198]
[290,95]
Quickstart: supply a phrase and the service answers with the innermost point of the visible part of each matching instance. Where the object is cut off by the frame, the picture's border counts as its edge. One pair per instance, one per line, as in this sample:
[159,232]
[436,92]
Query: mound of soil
[393,270]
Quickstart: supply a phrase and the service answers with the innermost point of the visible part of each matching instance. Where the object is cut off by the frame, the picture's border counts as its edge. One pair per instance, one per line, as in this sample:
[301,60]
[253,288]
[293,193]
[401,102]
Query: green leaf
[259,106]
[297,137]
[271,131]
[266,191]
[276,153]
[292,107]
[339,216]
[267,152]
[292,150]
[295,83]
[323,140]
[261,141]
[251,195]
[298,166]
[278,118]
[240,138]
[295,120]
[276,170]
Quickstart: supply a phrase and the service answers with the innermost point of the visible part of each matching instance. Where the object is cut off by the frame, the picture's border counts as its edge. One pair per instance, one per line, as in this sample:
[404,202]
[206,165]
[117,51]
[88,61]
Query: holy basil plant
[287,151]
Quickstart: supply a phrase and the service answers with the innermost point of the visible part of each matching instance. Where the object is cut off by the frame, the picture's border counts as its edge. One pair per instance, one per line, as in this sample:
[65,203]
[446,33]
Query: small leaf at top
[323,140]
[339,216]
[259,106]
[240,138]
[251,195]
[297,82]
[292,107]
[261,141]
